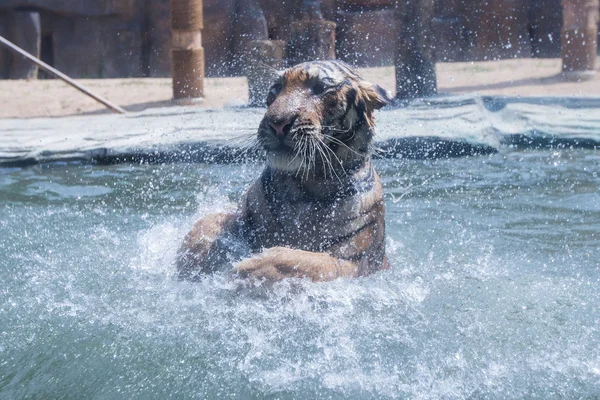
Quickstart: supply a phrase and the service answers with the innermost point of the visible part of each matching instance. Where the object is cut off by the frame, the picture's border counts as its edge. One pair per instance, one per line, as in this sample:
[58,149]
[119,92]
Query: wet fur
[317,211]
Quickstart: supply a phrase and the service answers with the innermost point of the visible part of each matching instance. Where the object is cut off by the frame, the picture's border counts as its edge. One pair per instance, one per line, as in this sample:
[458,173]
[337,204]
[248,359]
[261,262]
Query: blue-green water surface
[494,291]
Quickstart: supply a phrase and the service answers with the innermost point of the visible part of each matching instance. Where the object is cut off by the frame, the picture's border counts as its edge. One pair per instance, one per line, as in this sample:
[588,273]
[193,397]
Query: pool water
[494,290]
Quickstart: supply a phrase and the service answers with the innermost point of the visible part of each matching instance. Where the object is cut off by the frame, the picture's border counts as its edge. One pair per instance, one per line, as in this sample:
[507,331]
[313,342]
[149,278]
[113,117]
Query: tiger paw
[277,263]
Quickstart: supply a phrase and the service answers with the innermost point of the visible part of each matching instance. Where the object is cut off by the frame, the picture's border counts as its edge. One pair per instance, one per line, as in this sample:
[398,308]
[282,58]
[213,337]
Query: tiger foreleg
[277,263]
[206,247]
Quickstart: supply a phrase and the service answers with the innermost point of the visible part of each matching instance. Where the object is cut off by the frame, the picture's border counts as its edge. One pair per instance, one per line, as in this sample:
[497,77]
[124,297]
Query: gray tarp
[430,128]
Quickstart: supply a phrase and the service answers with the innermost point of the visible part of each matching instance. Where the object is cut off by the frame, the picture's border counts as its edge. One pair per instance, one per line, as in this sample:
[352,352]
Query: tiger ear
[273,74]
[384,97]
[375,95]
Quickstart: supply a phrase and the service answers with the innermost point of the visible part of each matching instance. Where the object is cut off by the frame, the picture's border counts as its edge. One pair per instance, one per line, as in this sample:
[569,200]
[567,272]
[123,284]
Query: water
[494,291]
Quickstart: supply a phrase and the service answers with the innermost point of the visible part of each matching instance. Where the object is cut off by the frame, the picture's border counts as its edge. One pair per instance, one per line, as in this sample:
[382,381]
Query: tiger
[317,210]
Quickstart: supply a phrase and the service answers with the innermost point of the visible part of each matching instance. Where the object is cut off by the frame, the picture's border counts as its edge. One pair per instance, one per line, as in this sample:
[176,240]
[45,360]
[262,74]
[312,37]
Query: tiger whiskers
[304,169]
[310,157]
[308,145]
[248,144]
[338,141]
[335,129]
[269,68]
[378,151]
[325,150]
[325,160]
[248,149]
[251,135]
[300,152]
[305,150]
[340,131]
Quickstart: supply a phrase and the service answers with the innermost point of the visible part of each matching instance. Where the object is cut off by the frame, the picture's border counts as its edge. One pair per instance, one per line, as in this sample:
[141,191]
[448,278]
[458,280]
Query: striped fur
[317,210]
[332,112]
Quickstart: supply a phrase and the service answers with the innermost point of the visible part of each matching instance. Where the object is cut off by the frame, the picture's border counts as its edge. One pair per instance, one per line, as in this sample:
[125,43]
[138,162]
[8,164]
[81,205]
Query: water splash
[89,303]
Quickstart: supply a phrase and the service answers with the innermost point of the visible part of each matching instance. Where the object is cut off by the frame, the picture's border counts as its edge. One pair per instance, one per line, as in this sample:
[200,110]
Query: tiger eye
[273,92]
[331,101]
[318,89]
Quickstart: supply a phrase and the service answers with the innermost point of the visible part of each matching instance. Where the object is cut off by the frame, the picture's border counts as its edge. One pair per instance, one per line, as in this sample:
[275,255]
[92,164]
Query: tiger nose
[281,126]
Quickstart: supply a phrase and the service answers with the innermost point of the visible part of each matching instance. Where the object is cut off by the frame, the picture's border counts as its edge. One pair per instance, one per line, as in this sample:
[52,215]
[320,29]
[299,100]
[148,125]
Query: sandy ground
[54,98]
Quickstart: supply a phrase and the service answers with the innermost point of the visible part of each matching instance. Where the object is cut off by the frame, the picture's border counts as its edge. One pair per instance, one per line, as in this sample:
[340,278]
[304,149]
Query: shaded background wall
[131,38]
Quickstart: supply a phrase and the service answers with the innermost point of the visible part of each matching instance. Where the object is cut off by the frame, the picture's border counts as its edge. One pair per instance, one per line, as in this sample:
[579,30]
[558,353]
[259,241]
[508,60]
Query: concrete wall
[101,47]
[121,38]
[88,8]
[4,55]
[84,39]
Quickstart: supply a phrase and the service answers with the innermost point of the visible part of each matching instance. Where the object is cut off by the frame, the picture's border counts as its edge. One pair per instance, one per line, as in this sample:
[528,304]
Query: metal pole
[58,74]
[187,51]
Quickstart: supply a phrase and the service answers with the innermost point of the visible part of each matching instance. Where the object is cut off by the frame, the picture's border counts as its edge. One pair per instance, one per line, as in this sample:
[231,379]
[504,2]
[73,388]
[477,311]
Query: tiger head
[319,120]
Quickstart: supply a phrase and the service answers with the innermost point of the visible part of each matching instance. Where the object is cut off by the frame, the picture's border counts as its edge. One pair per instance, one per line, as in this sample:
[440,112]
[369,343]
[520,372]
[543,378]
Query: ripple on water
[493,291]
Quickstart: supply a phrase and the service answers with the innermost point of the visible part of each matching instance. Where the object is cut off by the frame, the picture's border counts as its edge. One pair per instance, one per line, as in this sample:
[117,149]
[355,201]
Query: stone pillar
[250,37]
[265,58]
[187,52]
[366,38]
[250,24]
[414,60]
[258,57]
[579,39]
[545,19]
[24,31]
[501,29]
[312,38]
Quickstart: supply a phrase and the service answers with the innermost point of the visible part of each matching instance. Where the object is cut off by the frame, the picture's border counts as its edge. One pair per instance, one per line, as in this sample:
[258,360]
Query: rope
[186,15]
[188,73]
